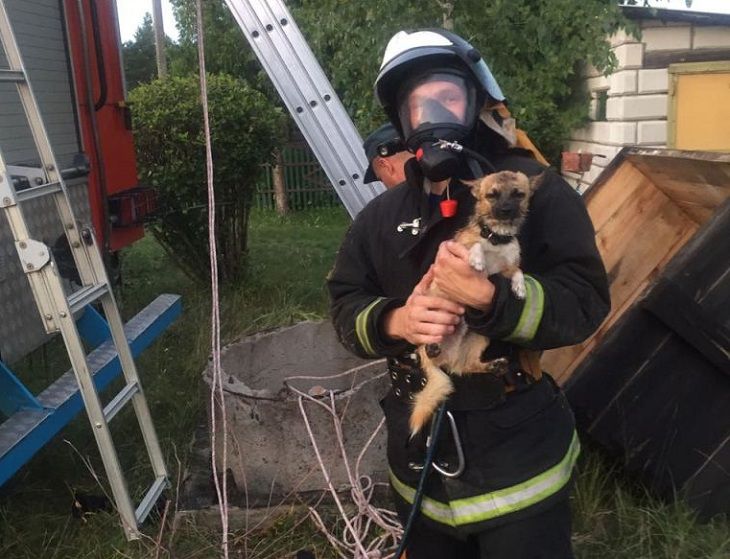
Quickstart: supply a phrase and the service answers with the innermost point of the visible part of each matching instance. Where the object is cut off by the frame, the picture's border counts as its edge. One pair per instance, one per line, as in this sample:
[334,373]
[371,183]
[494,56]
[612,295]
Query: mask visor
[435,101]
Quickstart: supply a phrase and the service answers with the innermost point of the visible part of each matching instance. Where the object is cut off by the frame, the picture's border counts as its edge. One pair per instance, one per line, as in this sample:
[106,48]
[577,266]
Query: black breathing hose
[479,157]
[418,497]
[458,148]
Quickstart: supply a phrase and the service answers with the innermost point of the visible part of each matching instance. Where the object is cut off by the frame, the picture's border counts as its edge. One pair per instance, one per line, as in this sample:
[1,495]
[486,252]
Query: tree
[168,128]
[140,64]
[226,49]
[537,51]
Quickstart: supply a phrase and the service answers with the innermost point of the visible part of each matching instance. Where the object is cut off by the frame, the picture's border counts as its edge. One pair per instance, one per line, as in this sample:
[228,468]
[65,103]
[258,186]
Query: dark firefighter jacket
[519,454]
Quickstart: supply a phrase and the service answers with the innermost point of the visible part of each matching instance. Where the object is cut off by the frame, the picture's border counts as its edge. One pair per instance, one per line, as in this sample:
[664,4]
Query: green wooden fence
[305,182]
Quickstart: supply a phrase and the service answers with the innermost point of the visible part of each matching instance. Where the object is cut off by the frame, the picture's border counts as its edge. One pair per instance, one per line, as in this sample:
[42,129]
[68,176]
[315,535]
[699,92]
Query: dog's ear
[474,185]
[536,181]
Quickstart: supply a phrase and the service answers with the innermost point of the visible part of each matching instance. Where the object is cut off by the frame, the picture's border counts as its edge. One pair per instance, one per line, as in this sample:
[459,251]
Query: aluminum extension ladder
[310,98]
[57,309]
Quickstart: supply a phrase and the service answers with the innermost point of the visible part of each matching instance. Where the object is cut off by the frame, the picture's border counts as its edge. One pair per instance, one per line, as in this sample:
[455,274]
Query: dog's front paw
[518,285]
[476,258]
[433,350]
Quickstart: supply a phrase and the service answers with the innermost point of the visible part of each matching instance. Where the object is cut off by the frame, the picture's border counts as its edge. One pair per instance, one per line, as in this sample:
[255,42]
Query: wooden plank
[603,203]
[708,490]
[669,417]
[704,263]
[698,186]
[686,318]
[709,168]
[632,273]
[627,228]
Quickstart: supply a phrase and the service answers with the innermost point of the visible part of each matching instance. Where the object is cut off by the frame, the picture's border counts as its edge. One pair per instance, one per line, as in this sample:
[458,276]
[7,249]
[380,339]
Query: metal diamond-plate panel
[21,329]
[23,422]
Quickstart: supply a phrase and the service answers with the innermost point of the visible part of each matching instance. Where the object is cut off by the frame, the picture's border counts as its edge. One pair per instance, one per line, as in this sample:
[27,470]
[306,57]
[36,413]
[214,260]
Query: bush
[168,128]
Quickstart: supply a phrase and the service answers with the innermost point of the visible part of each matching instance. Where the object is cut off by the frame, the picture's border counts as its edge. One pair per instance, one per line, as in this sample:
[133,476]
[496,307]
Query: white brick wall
[667,38]
[598,83]
[621,37]
[611,133]
[637,104]
[652,132]
[636,107]
[623,82]
[711,37]
[592,175]
[630,55]
[653,81]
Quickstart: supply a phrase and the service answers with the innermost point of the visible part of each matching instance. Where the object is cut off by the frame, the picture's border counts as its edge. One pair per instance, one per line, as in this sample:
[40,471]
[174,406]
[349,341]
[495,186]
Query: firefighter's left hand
[457,280]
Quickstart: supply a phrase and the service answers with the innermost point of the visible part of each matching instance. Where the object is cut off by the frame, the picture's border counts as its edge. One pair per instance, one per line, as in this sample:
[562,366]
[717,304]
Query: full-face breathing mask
[436,108]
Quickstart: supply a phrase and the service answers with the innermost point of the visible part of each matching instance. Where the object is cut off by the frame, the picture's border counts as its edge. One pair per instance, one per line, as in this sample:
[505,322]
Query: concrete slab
[270,455]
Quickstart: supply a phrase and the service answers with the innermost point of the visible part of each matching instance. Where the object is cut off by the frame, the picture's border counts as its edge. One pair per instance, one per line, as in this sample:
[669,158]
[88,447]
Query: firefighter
[502,472]
[386,155]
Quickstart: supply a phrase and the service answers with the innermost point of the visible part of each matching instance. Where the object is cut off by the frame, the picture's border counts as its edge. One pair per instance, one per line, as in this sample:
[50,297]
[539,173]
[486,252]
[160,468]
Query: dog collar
[494,238]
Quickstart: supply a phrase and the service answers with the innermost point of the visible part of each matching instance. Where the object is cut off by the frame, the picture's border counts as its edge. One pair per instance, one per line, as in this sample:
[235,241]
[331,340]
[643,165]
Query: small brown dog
[491,237]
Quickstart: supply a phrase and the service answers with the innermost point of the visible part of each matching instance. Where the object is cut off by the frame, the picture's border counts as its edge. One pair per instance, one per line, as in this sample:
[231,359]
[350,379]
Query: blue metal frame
[16,397]
[93,327]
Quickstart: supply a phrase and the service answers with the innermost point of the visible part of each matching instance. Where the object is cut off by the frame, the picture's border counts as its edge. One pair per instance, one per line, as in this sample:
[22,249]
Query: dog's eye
[493,194]
[518,194]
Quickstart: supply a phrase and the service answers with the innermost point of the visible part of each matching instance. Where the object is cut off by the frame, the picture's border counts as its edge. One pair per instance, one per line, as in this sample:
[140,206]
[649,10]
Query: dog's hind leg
[470,353]
[438,388]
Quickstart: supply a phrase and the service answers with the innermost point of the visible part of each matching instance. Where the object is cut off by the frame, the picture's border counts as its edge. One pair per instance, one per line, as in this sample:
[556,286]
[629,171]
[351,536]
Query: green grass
[287,263]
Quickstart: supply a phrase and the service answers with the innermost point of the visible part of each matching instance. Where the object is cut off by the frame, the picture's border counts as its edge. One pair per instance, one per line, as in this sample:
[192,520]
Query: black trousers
[543,536]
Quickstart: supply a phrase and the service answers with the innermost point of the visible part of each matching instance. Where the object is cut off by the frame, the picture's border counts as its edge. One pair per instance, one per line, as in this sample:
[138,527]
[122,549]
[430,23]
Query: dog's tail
[438,388]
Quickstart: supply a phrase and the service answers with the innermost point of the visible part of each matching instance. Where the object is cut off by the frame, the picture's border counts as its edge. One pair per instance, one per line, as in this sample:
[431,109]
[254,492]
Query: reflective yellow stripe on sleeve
[531,313]
[361,327]
[497,503]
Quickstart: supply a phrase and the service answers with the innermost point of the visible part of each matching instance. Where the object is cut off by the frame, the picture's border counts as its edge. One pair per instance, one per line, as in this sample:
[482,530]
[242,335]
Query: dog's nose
[506,212]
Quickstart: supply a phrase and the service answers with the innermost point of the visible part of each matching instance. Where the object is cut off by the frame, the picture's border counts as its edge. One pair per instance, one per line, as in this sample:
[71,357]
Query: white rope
[220,479]
[358,539]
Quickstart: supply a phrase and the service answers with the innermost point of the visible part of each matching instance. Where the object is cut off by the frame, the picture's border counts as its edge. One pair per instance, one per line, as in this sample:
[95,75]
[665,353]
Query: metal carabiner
[459,451]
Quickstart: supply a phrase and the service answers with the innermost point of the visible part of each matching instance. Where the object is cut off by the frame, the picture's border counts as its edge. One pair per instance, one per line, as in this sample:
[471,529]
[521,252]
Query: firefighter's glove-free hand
[457,280]
[424,319]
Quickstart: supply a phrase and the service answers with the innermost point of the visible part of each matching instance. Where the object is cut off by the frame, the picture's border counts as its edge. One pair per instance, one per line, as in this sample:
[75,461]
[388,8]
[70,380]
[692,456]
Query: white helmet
[410,55]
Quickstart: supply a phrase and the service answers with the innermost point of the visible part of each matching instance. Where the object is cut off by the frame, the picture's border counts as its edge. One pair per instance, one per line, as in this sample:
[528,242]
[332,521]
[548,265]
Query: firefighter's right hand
[424,319]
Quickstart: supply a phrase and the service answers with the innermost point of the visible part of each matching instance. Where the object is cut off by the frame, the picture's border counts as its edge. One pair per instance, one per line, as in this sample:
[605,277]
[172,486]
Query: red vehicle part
[104,121]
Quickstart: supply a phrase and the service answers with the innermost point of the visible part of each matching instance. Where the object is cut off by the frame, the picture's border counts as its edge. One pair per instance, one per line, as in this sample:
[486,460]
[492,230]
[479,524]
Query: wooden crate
[653,384]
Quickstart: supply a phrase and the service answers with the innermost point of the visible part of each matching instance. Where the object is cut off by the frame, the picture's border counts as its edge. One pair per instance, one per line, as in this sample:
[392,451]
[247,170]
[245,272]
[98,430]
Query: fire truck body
[71,51]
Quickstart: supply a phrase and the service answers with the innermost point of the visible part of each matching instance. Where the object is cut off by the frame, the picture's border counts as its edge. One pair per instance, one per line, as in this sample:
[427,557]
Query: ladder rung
[117,403]
[16,76]
[38,191]
[86,295]
[150,499]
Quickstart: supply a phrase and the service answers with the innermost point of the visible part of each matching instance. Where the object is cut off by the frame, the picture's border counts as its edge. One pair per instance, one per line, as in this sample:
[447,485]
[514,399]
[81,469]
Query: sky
[131,13]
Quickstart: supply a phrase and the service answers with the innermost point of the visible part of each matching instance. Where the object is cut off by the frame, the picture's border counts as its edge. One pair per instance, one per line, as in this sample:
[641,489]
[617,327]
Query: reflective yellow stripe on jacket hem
[498,503]
[361,327]
[531,313]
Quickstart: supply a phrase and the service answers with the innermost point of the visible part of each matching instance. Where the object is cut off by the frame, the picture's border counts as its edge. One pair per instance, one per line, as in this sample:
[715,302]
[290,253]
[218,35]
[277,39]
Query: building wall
[636,94]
